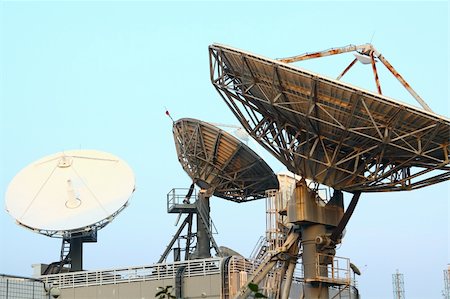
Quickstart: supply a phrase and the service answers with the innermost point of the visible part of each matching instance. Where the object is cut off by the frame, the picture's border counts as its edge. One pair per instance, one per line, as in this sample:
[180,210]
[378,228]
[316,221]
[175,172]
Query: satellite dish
[331,132]
[220,165]
[71,191]
[218,161]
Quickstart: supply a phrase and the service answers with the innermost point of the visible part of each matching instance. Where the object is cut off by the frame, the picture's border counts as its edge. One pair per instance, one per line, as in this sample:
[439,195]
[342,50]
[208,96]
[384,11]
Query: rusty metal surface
[219,162]
[375,73]
[368,50]
[329,131]
[347,69]
[333,51]
[402,81]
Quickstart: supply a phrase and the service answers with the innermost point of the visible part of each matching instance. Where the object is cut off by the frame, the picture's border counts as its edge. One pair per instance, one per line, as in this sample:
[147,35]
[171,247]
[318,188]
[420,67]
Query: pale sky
[97,75]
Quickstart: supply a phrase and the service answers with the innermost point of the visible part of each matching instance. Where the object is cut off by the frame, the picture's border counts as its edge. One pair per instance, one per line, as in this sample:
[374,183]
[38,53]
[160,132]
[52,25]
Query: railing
[201,267]
[177,195]
[239,264]
[240,270]
[333,269]
[258,249]
[17,287]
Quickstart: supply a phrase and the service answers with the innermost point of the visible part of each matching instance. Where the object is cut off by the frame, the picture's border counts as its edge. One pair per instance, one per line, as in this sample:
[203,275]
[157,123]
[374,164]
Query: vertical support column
[203,249]
[310,262]
[76,254]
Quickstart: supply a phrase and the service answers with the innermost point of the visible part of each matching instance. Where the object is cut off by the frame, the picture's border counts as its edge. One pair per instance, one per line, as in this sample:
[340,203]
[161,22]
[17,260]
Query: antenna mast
[446,294]
[398,285]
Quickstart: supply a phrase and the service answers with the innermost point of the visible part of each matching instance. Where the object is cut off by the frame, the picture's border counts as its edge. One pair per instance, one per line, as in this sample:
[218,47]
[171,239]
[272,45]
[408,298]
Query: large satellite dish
[218,161]
[70,195]
[220,165]
[334,134]
[329,131]
[70,191]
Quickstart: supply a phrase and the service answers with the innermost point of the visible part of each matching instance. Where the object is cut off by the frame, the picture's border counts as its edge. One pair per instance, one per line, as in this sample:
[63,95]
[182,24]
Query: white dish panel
[70,191]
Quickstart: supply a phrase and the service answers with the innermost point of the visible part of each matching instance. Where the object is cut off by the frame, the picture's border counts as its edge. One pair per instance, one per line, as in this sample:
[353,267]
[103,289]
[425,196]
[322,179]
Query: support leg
[261,272]
[292,262]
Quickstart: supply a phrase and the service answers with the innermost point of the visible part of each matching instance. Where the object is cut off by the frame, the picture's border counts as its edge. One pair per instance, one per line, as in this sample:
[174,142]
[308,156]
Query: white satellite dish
[70,192]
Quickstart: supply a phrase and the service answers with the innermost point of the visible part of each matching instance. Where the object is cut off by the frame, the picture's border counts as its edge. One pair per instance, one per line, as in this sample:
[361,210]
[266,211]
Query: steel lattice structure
[217,161]
[329,131]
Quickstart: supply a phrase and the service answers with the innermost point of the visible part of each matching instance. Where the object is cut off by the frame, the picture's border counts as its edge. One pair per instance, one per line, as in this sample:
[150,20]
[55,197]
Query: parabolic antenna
[329,131]
[217,161]
[70,192]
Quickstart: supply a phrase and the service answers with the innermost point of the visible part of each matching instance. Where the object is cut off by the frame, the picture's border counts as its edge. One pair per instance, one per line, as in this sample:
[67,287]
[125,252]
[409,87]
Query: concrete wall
[194,287]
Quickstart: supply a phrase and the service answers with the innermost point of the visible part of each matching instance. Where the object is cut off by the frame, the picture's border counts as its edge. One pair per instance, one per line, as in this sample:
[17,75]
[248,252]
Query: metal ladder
[65,249]
[259,250]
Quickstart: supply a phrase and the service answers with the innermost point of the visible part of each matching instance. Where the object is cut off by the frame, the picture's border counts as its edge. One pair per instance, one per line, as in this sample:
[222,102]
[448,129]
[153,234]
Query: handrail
[177,195]
[200,267]
[24,278]
[337,270]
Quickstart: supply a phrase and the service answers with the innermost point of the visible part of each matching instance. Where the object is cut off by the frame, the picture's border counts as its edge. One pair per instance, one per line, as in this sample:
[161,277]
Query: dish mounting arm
[371,53]
[337,232]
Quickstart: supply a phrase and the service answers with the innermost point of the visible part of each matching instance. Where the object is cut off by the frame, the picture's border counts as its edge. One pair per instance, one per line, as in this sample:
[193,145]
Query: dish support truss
[331,132]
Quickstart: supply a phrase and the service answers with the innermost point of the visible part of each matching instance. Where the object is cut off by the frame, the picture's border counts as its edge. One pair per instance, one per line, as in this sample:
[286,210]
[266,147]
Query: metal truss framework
[218,162]
[331,132]
[68,233]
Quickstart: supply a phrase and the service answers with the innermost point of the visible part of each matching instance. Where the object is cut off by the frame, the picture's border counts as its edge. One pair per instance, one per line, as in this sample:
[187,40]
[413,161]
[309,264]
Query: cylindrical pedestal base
[311,269]
[203,249]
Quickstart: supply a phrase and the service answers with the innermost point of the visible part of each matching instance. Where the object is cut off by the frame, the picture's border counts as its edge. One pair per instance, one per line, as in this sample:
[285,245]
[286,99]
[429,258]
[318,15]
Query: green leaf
[160,293]
[253,287]
[259,295]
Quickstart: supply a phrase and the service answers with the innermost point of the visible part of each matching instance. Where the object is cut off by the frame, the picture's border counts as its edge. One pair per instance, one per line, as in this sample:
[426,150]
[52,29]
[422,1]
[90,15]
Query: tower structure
[447,282]
[398,285]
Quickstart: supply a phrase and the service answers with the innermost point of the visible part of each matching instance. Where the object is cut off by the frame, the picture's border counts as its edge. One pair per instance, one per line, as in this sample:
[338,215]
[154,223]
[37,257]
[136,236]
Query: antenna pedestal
[316,220]
[75,254]
[203,249]
[203,235]
[313,222]
[311,269]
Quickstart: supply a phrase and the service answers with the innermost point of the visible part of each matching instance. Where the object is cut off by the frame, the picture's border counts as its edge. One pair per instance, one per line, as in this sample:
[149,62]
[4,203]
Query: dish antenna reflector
[220,165]
[334,134]
[70,194]
[329,131]
[218,161]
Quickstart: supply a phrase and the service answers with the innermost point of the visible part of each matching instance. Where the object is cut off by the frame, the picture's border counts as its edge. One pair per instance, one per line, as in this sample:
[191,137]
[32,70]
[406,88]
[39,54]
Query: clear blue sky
[97,75]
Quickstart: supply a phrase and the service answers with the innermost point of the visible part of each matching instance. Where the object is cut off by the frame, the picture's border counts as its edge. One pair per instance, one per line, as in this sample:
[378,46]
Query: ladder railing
[257,249]
[65,249]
